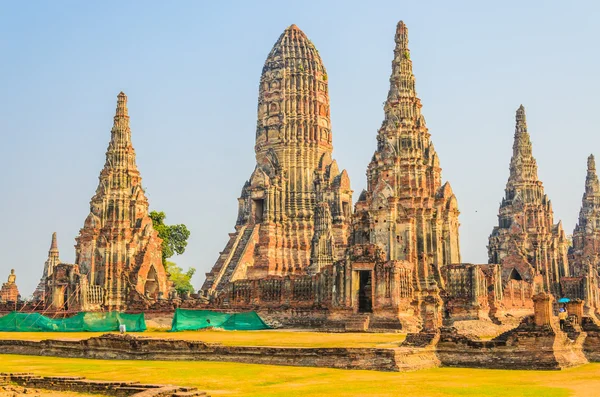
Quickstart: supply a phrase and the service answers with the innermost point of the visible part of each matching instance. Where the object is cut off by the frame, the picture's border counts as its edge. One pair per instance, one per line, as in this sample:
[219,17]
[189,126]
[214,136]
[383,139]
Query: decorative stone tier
[106,388]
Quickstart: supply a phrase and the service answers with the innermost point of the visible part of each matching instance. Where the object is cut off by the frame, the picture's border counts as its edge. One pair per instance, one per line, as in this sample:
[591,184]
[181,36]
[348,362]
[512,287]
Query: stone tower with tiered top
[294,172]
[118,251]
[586,236]
[406,210]
[526,241]
[584,255]
[49,265]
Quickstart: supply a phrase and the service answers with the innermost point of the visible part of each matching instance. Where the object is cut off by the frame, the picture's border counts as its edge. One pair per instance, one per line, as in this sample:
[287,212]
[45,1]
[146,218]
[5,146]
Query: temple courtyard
[233,379]
[240,379]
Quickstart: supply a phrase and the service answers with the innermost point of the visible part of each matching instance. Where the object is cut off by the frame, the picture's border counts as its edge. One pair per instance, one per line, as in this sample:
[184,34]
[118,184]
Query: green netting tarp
[94,322]
[191,320]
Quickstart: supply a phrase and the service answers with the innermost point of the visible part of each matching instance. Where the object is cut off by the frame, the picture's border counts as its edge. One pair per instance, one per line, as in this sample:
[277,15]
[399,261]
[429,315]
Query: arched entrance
[151,285]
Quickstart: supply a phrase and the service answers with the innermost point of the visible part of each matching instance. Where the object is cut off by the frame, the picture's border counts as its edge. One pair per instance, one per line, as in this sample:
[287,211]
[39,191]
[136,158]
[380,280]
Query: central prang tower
[294,173]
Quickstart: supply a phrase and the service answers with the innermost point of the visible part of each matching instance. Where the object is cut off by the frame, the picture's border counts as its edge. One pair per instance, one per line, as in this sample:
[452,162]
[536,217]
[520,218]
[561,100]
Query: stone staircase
[358,322]
[212,277]
[233,261]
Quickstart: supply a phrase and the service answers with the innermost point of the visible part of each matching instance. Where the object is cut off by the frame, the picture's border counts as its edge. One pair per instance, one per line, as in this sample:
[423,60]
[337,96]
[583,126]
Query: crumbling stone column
[542,309]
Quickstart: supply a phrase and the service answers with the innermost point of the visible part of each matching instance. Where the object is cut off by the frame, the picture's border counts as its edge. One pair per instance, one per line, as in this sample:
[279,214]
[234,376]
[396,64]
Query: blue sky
[191,71]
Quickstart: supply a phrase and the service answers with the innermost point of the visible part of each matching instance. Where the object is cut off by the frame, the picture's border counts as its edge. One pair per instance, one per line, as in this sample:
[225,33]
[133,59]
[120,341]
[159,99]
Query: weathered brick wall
[106,388]
[525,347]
[591,346]
[136,348]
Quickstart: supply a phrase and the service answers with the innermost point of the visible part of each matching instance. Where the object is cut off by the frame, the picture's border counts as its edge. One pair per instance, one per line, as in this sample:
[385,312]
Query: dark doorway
[65,299]
[365,299]
[258,210]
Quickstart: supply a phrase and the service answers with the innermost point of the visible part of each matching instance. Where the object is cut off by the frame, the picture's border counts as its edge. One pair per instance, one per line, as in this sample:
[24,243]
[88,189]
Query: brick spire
[592,186]
[589,215]
[53,244]
[120,153]
[117,248]
[404,177]
[523,167]
[53,257]
[402,102]
[526,220]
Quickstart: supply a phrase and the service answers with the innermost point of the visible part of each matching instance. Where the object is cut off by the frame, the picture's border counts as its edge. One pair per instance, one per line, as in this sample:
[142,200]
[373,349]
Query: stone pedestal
[542,309]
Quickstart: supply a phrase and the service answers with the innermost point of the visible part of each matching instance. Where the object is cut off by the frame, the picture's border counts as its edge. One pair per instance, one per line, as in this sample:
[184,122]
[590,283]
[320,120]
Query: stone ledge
[107,388]
[141,348]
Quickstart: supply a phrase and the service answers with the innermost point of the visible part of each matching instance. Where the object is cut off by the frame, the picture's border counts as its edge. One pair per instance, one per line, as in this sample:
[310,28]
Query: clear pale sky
[191,71]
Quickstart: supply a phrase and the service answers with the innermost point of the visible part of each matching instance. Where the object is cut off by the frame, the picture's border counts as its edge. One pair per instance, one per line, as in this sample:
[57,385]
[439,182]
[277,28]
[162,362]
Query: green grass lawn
[233,379]
[243,338]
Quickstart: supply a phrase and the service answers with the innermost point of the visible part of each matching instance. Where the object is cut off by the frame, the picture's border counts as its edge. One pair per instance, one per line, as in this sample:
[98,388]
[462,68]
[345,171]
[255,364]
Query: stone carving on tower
[118,251]
[526,241]
[406,212]
[294,174]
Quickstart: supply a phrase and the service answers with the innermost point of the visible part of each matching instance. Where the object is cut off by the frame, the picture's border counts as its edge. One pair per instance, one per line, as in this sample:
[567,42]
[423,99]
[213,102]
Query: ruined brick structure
[584,255]
[53,260]
[406,211]
[9,291]
[531,248]
[382,266]
[275,233]
[300,256]
[118,252]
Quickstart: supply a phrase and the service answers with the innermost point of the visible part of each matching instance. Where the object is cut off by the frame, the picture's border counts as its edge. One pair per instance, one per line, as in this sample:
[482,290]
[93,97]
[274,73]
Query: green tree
[174,240]
[181,281]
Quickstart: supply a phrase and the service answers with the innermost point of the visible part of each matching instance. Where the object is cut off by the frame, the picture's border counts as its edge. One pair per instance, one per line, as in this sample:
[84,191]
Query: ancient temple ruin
[406,212]
[297,243]
[584,255]
[118,252]
[300,254]
[277,233]
[39,295]
[531,248]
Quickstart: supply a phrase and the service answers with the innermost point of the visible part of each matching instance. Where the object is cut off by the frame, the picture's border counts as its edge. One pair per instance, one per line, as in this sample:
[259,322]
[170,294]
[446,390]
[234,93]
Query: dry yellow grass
[233,379]
[243,338]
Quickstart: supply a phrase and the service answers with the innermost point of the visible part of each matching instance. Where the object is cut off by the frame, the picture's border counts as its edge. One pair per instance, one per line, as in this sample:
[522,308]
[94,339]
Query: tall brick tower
[526,226]
[49,265]
[406,210]
[294,171]
[586,236]
[118,250]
